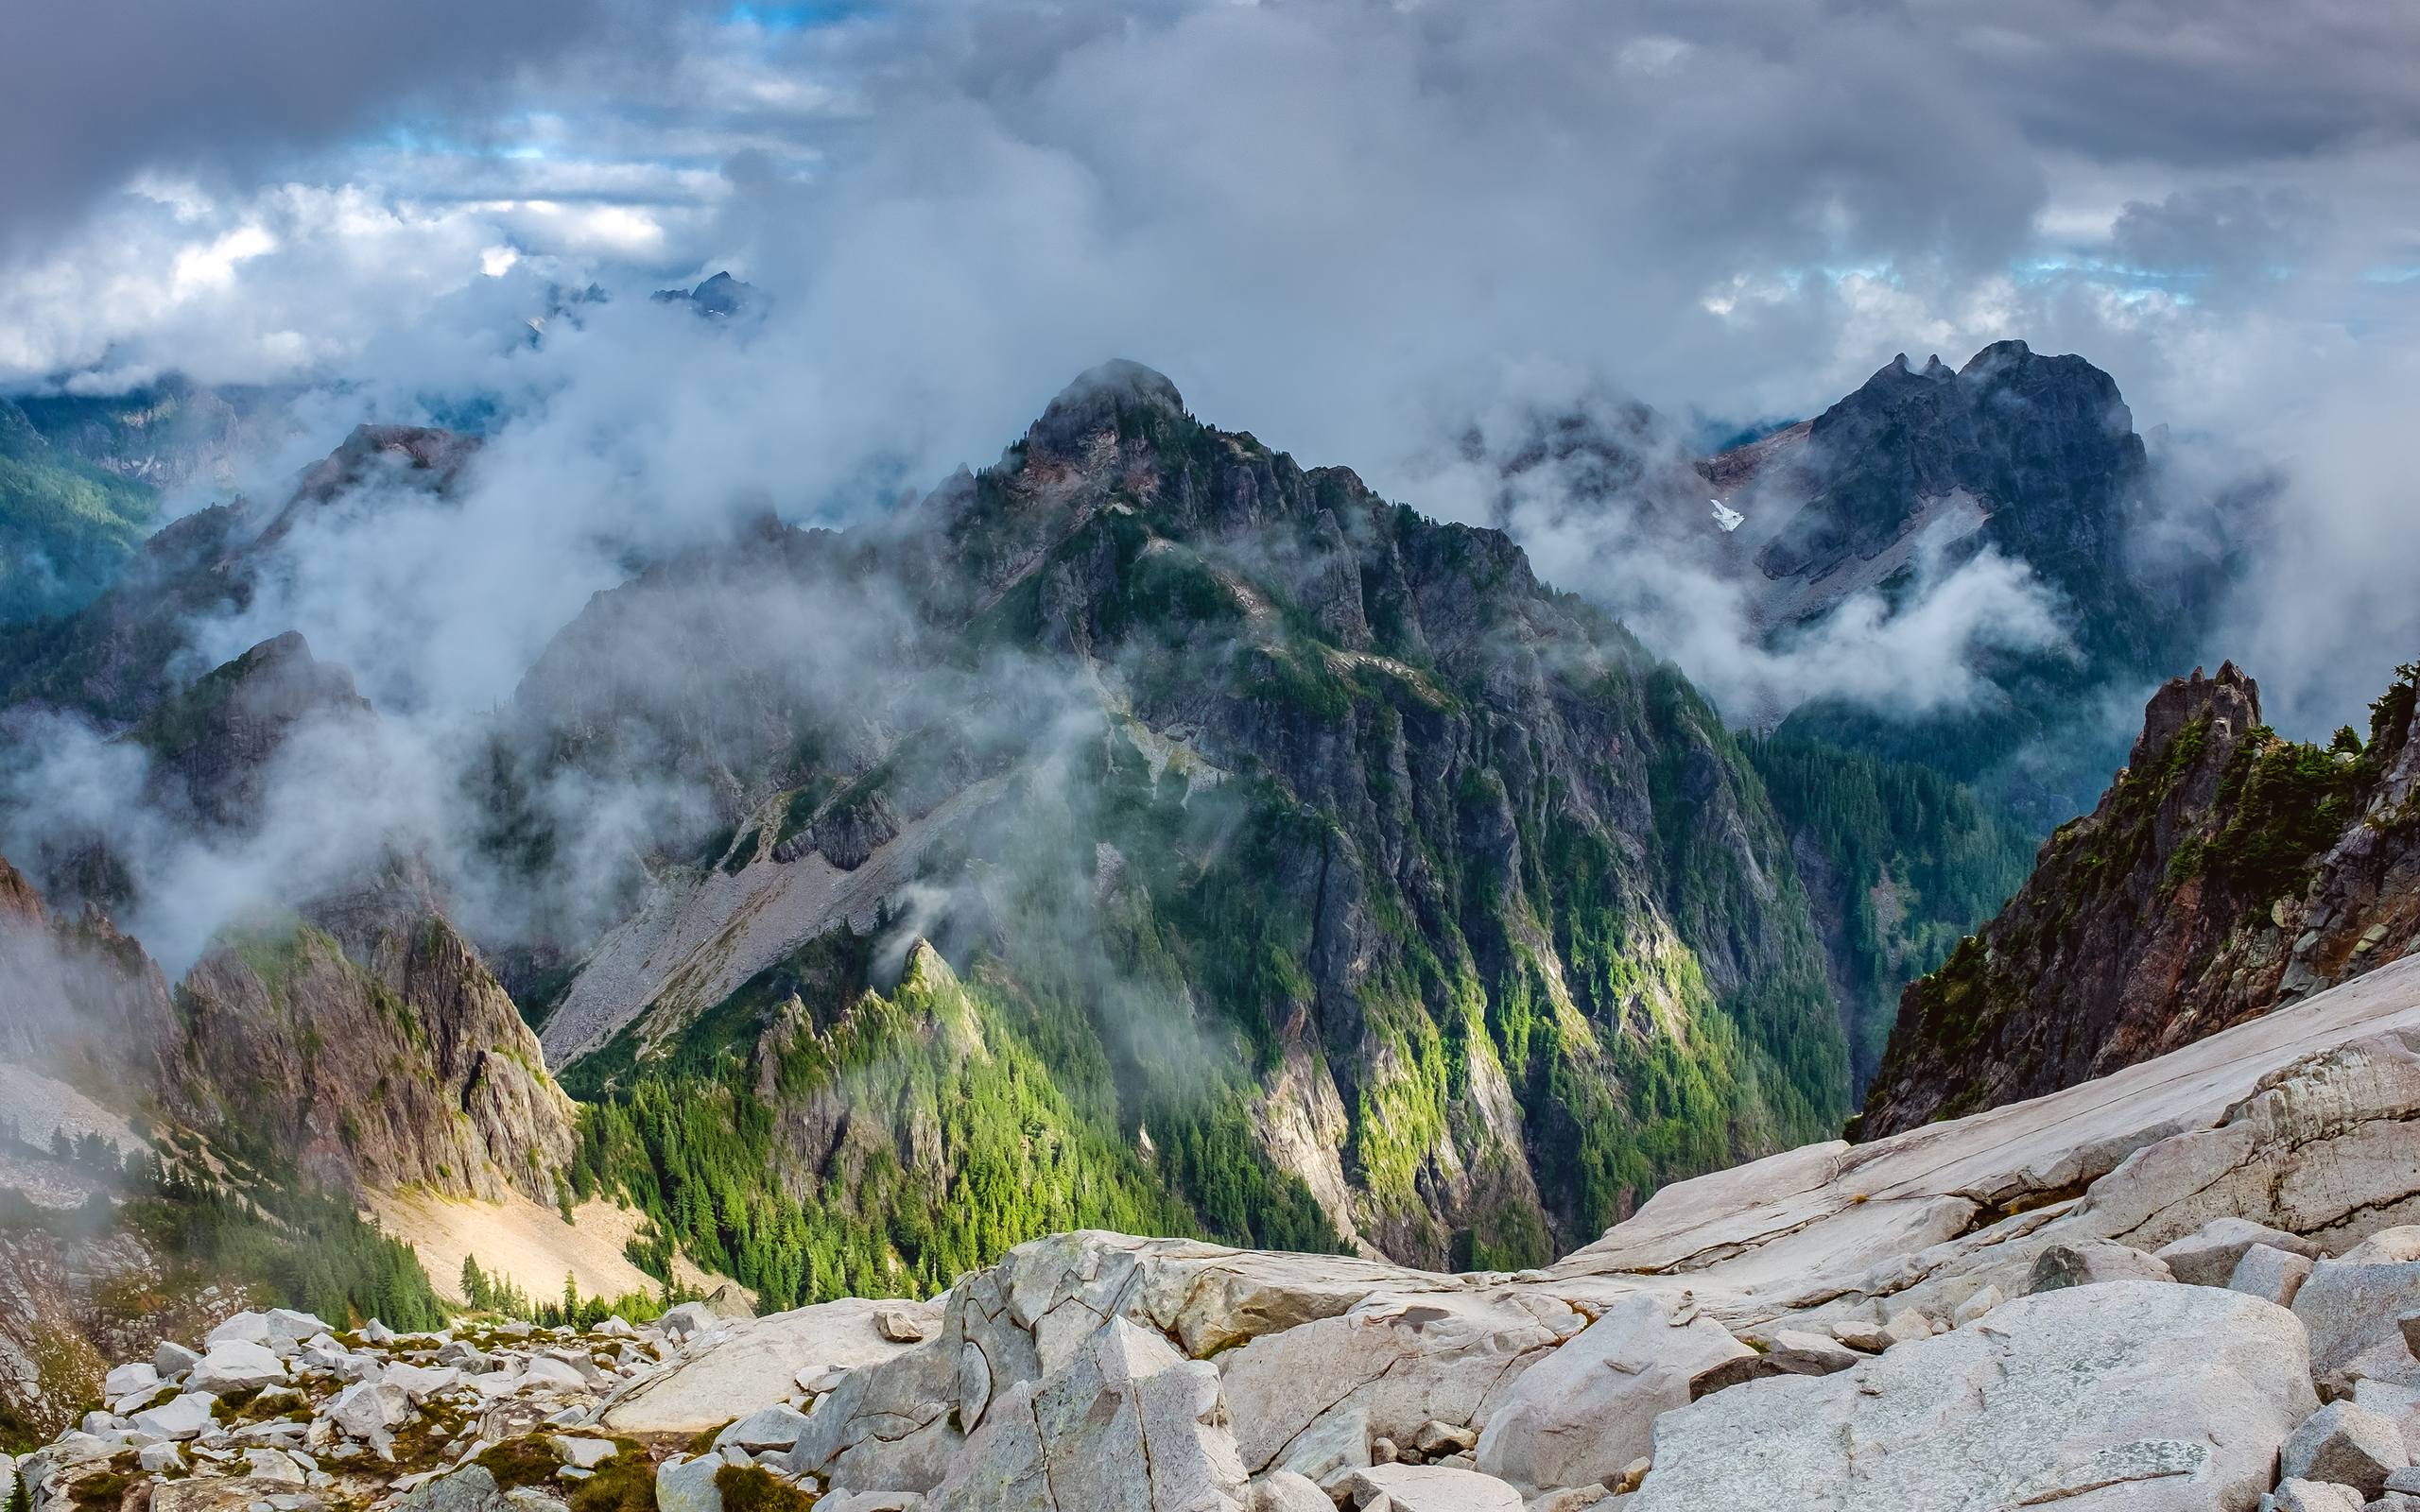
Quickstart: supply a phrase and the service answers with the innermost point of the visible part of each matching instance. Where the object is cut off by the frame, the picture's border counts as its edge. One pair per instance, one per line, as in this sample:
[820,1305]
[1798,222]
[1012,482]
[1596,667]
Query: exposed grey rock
[684,1485]
[172,1358]
[774,1427]
[1285,1491]
[2093,1262]
[236,1365]
[2399,1246]
[125,1380]
[2350,1308]
[906,1324]
[1979,1302]
[2311,1496]
[245,1328]
[2347,1444]
[756,1363]
[2208,1255]
[2271,1274]
[1588,1408]
[369,1407]
[162,1456]
[1430,1489]
[181,1417]
[471,1488]
[2183,1394]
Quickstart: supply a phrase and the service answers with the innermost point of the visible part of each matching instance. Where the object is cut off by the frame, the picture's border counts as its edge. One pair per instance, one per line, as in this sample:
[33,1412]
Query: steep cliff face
[2225,872]
[1427,875]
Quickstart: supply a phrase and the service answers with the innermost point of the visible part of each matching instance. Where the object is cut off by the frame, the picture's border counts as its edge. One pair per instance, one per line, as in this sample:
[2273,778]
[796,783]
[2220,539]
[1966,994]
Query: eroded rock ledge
[2135,1293]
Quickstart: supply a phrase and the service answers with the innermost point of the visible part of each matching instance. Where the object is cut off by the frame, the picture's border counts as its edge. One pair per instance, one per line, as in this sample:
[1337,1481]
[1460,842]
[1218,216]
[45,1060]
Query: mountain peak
[1118,383]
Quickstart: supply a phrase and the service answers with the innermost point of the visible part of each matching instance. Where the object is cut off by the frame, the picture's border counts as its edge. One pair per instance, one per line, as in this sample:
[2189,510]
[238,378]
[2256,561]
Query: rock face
[2182,1395]
[2224,871]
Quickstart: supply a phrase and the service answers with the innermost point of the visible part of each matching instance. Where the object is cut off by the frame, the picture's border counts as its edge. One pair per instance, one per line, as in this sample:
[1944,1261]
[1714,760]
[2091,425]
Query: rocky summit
[2193,1284]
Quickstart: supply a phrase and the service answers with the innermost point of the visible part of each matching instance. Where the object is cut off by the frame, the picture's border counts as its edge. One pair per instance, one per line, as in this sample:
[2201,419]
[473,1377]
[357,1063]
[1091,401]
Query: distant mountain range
[1144,833]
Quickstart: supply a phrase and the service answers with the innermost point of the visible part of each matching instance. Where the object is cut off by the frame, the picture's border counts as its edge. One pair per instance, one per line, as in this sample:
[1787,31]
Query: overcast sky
[1347,227]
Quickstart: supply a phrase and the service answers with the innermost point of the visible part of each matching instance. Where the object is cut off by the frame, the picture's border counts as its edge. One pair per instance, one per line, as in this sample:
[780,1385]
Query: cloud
[1349,227]
[93,92]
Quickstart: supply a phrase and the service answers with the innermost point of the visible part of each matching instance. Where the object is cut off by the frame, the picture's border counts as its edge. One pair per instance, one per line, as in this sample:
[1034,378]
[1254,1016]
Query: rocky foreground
[2193,1284]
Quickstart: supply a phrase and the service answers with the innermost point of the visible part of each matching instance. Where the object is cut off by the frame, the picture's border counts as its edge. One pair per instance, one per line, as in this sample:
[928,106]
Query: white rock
[2350,1308]
[128,1380]
[367,1408]
[687,1318]
[420,1382]
[1978,1303]
[2208,1255]
[688,1484]
[903,1502]
[1431,1489]
[2093,1262]
[236,1365]
[2398,1401]
[376,1333]
[1906,1326]
[585,1453]
[755,1364]
[775,1427]
[1125,1425]
[2345,1443]
[2270,1274]
[244,1327]
[546,1373]
[2182,1394]
[272,1464]
[906,1323]
[184,1418]
[161,1458]
[1285,1491]
[2311,1496]
[287,1324]
[171,1360]
[2388,1246]
[1588,1408]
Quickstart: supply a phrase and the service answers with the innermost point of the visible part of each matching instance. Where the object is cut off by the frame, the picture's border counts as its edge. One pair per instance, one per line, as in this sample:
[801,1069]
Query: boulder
[687,1318]
[182,1418]
[1588,1408]
[2311,1496]
[2271,1274]
[774,1427]
[906,1324]
[2208,1255]
[2388,1246]
[162,1458]
[368,1408]
[471,1488]
[236,1365]
[759,1362]
[244,1327]
[2398,1401]
[2182,1394]
[287,1326]
[128,1380]
[584,1453]
[1391,1364]
[272,1465]
[172,1360]
[2348,1444]
[1431,1489]
[1979,1302]
[545,1372]
[1285,1491]
[684,1485]
[420,1382]
[2350,1309]
[1126,1425]
[2092,1263]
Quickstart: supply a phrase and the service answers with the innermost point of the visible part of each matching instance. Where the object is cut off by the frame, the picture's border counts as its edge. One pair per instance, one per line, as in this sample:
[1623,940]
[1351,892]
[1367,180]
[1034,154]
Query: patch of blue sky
[796,15]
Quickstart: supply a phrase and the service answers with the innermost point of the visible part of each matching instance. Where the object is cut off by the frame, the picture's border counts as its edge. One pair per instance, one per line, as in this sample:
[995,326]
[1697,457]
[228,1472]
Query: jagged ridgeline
[2227,871]
[1313,875]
